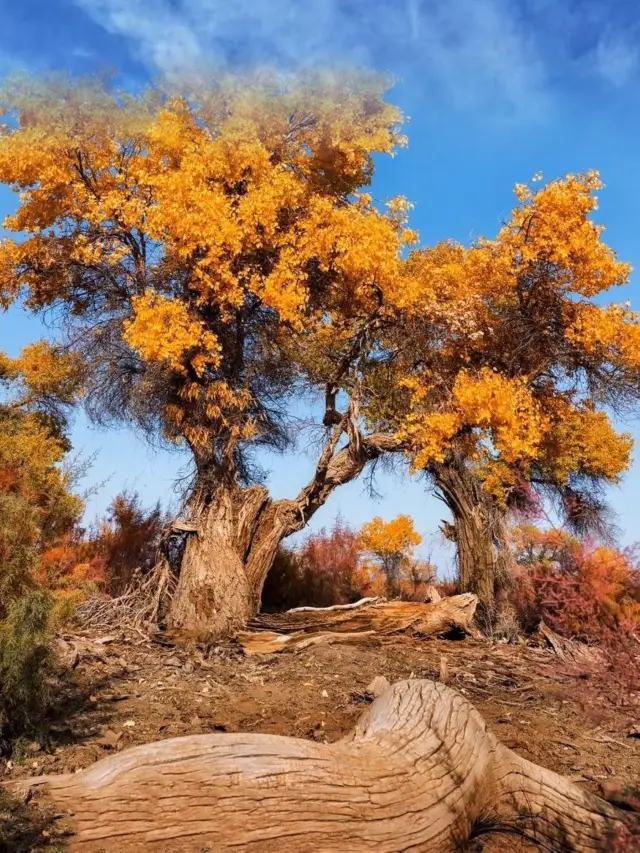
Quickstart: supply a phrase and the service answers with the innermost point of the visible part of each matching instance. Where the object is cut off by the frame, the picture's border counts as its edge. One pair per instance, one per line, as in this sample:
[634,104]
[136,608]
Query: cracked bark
[477,530]
[226,561]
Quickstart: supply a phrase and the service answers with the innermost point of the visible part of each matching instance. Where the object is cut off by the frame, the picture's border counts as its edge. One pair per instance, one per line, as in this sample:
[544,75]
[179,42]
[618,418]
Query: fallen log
[419,772]
[384,617]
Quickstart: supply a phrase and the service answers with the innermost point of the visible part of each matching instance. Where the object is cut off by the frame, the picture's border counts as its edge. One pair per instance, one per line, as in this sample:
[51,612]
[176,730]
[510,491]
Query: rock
[109,739]
[444,670]
[377,687]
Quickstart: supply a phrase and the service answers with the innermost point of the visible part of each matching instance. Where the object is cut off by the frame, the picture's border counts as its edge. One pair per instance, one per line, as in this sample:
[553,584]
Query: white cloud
[616,58]
[474,52]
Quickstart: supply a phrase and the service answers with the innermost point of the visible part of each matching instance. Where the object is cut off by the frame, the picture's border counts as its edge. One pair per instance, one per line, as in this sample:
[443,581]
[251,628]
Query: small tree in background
[391,544]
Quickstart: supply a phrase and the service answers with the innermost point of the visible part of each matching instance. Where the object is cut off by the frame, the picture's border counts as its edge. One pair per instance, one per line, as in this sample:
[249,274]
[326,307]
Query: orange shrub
[580,589]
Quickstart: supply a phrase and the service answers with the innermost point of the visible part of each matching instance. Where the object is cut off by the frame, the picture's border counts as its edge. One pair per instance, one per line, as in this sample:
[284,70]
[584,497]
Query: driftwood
[384,617]
[419,772]
[566,650]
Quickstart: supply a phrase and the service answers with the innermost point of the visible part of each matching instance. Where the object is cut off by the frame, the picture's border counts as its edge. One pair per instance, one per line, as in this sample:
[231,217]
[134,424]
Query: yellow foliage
[581,439]
[397,536]
[226,237]
[496,343]
[46,370]
[161,330]
[187,215]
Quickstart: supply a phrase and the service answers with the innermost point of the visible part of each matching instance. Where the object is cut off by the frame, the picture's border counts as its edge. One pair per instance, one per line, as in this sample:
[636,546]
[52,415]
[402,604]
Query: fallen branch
[363,602]
[269,642]
[567,650]
[419,772]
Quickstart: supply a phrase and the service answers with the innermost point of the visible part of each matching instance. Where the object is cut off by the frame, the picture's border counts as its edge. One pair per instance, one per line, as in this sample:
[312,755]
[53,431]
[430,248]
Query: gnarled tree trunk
[419,772]
[478,530]
[236,533]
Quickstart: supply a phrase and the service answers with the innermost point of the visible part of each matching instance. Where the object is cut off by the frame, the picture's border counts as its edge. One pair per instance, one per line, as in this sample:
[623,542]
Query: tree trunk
[225,562]
[478,530]
[235,536]
[420,772]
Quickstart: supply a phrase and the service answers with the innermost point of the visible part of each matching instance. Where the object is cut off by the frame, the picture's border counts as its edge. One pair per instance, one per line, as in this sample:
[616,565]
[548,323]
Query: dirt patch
[136,690]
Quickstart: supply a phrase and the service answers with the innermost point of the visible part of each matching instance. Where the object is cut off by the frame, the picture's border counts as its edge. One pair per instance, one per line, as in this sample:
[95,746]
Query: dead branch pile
[140,606]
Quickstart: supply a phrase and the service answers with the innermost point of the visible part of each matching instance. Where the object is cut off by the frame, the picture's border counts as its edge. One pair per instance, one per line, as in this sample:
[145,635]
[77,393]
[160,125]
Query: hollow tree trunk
[478,530]
[420,772]
[236,533]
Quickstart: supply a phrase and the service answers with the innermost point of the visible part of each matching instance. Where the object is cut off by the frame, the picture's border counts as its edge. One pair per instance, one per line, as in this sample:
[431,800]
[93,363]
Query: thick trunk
[235,533]
[225,561]
[420,771]
[477,530]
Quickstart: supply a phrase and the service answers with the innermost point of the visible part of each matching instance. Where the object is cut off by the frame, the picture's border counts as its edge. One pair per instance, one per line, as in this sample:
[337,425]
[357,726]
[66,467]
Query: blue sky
[496,90]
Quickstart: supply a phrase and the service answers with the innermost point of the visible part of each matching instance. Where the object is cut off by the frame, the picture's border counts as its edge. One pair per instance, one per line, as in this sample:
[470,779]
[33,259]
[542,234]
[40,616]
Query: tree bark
[478,530]
[236,533]
[420,772]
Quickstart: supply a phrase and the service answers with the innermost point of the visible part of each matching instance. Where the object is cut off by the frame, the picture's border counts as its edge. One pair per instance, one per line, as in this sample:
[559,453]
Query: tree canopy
[213,255]
[196,240]
[505,359]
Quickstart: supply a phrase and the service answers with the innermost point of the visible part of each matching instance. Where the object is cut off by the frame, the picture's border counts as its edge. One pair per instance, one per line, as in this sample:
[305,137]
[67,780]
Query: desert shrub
[587,592]
[25,661]
[124,542]
[37,509]
[283,587]
[582,590]
[447,587]
[322,572]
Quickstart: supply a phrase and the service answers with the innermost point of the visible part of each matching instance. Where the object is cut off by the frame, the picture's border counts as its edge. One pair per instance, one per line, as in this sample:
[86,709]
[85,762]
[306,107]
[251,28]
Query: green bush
[26,662]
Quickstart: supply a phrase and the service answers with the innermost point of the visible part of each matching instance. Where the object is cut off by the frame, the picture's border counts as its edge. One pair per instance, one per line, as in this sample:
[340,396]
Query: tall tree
[203,249]
[503,371]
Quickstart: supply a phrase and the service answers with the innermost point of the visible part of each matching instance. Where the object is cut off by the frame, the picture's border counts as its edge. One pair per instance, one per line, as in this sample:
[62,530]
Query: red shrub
[322,572]
[586,592]
[126,540]
[581,590]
